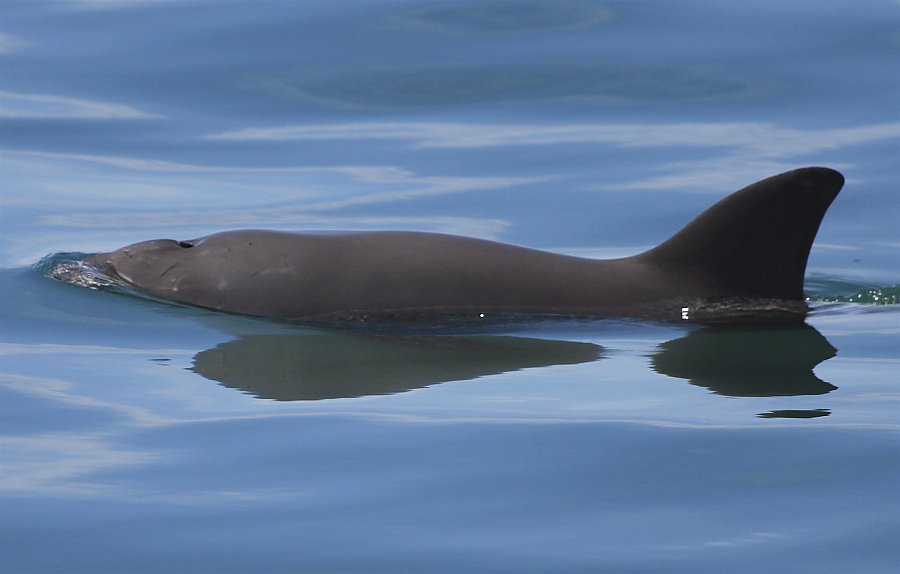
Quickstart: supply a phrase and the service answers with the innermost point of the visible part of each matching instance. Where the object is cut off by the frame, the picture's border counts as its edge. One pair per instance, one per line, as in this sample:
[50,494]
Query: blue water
[143,437]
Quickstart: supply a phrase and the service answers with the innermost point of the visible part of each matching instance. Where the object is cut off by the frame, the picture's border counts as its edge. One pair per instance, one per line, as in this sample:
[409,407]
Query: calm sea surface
[137,436]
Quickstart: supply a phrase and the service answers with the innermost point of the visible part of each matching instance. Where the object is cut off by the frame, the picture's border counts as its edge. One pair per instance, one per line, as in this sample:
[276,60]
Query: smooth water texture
[139,436]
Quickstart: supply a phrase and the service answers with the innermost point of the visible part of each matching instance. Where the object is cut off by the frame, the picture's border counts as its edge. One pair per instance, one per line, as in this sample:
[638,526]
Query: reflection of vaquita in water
[738,361]
[338,365]
[750,361]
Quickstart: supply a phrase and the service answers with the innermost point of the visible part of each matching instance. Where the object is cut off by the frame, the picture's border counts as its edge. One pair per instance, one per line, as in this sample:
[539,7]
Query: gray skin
[752,245]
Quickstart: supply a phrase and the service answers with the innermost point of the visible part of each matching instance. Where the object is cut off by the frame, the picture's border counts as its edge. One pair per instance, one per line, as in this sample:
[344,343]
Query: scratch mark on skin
[169,268]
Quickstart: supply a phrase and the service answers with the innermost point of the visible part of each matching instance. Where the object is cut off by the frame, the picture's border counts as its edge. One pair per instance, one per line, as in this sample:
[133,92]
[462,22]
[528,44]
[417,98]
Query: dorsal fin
[755,242]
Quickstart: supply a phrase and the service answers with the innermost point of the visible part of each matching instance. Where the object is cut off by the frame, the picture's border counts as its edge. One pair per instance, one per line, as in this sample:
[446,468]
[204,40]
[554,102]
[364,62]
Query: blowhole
[185,244]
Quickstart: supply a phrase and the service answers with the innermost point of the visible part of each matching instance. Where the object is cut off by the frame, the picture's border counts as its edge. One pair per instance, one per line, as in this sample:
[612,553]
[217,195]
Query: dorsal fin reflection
[748,360]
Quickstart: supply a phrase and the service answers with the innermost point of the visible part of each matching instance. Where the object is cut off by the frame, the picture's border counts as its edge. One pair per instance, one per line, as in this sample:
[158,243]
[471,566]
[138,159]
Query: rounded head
[240,271]
[144,264]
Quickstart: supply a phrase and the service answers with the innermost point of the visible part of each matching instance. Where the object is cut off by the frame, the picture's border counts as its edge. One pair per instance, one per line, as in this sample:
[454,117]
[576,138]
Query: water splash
[73,269]
[836,290]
